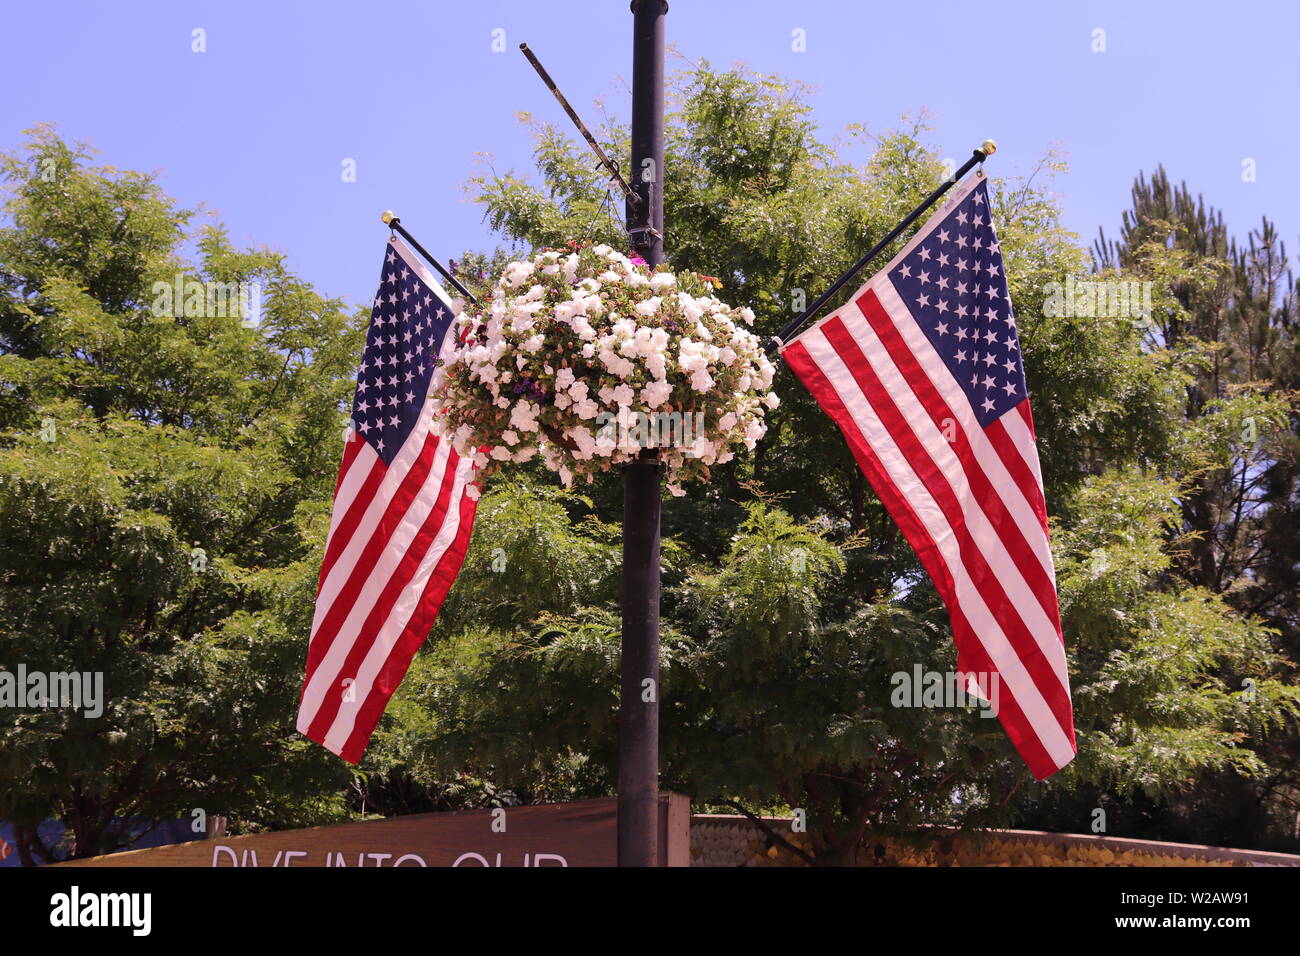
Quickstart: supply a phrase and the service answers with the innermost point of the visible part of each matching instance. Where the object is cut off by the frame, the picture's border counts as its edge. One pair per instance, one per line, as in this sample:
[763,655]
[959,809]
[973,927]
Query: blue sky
[258,126]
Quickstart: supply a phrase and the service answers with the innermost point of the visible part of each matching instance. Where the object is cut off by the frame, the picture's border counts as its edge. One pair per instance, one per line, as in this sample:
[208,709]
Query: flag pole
[395,224]
[638,709]
[977,156]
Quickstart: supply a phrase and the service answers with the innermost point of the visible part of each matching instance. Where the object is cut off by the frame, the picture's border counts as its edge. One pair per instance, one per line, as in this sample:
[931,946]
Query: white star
[905,271]
[943,235]
[942,328]
[1009,388]
[988,405]
[925,253]
[942,306]
[923,300]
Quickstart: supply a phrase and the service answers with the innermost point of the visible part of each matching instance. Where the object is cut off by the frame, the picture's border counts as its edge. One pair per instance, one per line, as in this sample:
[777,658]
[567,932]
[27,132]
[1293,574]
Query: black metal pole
[395,224]
[978,156]
[638,744]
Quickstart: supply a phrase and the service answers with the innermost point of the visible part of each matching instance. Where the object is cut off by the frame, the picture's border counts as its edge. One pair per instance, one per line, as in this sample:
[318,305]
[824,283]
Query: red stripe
[999,516]
[412,483]
[351,447]
[971,653]
[417,629]
[1004,611]
[1014,463]
[379,613]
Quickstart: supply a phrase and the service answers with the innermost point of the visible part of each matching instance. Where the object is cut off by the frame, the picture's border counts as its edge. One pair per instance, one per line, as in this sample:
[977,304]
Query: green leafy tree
[165,477]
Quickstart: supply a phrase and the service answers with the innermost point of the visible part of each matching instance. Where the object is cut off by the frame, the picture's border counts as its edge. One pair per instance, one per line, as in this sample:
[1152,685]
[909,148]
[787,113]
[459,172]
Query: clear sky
[259,126]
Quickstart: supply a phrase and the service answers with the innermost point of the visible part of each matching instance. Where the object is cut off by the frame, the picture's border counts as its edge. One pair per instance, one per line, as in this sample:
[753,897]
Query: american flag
[921,371]
[403,511]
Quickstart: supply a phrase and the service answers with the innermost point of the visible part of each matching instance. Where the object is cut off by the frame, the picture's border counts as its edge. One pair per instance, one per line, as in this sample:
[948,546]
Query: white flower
[524,416]
[517,273]
[656,393]
[663,281]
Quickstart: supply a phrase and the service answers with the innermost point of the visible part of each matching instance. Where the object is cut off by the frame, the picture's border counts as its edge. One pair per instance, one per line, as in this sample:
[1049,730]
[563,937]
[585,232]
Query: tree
[165,479]
[1231,319]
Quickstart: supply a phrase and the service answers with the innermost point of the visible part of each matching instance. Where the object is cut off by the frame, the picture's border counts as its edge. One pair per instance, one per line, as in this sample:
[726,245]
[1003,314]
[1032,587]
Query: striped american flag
[921,371]
[403,511]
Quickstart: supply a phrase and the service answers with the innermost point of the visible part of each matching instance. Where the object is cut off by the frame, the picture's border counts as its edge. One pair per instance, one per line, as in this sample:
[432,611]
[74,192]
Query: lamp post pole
[638,744]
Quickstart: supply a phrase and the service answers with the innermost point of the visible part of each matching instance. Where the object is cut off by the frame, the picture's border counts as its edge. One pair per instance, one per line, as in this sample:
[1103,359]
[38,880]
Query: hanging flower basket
[584,357]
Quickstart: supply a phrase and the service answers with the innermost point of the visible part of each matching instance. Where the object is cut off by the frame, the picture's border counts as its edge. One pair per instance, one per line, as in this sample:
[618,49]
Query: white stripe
[987,631]
[985,455]
[350,486]
[374,513]
[326,676]
[401,613]
[1023,439]
[981,530]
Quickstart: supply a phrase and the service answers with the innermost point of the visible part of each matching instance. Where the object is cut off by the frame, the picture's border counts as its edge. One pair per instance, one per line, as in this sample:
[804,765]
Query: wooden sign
[583,833]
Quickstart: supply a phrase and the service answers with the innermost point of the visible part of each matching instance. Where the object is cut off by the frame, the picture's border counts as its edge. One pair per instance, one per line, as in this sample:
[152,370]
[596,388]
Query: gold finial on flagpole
[387,216]
[989,147]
